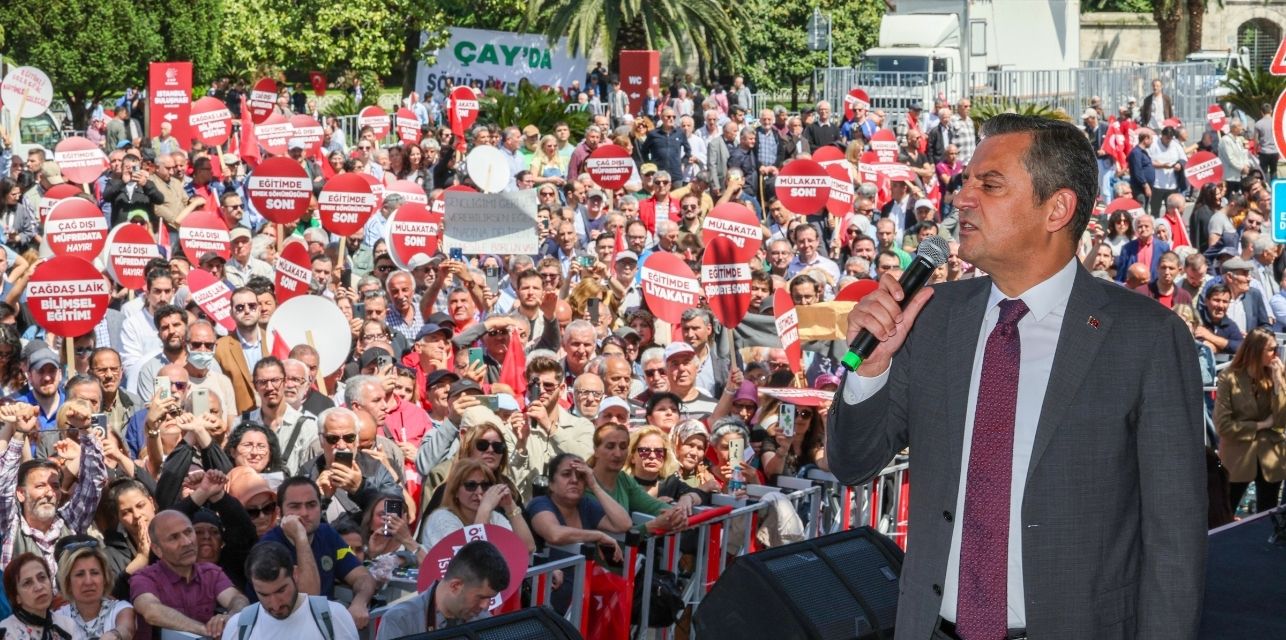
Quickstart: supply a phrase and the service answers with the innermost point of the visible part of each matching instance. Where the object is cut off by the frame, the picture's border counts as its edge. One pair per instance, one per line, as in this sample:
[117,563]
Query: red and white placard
[840,202]
[410,191]
[408,126]
[280,190]
[1203,167]
[294,270]
[81,161]
[803,186]
[412,229]
[213,296]
[210,121]
[129,248]
[464,107]
[375,118]
[738,224]
[274,134]
[1217,118]
[787,321]
[55,195]
[345,204]
[725,280]
[262,98]
[609,166]
[204,232]
[885,145]
[67,296]
[855,99]
[669,286]
[307,130]
[76,228]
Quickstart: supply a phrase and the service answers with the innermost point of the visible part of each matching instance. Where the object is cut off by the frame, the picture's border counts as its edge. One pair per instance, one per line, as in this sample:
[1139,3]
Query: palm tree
[709,26]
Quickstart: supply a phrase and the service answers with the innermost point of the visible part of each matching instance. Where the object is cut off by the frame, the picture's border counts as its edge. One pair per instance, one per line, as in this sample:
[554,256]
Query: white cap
[613,402]
[925,202]
[677,348]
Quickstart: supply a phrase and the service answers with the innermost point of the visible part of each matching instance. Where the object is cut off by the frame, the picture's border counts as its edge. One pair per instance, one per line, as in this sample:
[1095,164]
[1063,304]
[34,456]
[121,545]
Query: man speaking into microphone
[1054,420]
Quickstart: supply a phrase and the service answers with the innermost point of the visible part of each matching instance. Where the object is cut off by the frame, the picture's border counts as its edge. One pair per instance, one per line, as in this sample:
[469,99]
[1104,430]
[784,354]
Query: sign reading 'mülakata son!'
[499,59]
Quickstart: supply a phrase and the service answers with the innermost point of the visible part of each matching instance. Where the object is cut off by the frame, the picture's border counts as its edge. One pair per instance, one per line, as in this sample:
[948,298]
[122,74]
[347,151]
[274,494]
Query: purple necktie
[982,611]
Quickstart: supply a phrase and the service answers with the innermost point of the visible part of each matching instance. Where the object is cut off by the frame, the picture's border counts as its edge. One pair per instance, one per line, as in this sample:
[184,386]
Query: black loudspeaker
[844,585]
[535,623]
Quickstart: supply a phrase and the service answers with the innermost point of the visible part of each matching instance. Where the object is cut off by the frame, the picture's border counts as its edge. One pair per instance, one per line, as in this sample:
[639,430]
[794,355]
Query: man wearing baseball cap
[241,267]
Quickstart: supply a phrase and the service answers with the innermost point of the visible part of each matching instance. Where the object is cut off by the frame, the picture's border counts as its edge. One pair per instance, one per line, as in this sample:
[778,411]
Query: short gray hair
[655,353]
[577,326]
[341,412]
[353,388]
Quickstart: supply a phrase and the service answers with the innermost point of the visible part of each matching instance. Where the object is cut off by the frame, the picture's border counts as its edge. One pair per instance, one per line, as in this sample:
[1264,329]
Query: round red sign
[203,232]
[294,270]
[375,118]
[81,161]
[307,130]
[829,156]
[76,228]
[738,224]
[408,126]
[439,204]
[1217,118]
[345,204]
[412,229]
[67,296]
[511,547]
[280,190]
[803,186]
[1203,167]
[55,195]
[464,107]
[129,247]
[787,321]
[885,145]
[840,202]
[609,166]
[262,98]
[377,188]
[669,286]
[725,279]
[213,296]
[274,134]
[410,191]
[210,121]
[856,99]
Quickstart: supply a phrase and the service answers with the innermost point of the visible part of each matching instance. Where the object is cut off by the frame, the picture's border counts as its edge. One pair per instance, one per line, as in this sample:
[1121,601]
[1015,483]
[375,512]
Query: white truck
[932,48]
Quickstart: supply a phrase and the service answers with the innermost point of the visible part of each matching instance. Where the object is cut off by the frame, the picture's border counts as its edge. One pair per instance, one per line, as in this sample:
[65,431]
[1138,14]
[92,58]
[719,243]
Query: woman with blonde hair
[1250,411]
[474,496]
[547,165]
[655,467]
[85,580]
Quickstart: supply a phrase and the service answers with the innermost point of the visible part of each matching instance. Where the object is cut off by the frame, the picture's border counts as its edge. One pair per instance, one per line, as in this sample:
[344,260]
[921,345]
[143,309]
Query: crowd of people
[535,393]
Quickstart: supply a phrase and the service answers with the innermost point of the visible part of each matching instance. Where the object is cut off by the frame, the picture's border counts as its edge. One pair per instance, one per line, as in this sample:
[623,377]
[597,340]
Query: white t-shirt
[299,626]
[1162,154]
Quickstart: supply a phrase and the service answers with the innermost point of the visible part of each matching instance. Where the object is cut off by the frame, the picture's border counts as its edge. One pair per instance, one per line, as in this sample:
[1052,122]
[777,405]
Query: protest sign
[412,229]
[81,160]
[213,296]
[464,108]
[488,168]
[67,296]
[377,188]
[738,224]
[375,118]
[500,59]
[293,271]
[830,156]
[55,195]
[345,204]
[169,99]
[1203,167]
[210,121]
[507,542]
[129,248]
[410,191]
[1217,118]
[609,166]
[840,202]
[885,145]
[274,134]
[725,280]
[501,223]
[262,98]
[204,232]
[669,286]
[76,227]
[854,100]
[315,321]
[27,91]
[408,126]
[307,130]
[787,321]
[803,186]
[856,290]
[280,190]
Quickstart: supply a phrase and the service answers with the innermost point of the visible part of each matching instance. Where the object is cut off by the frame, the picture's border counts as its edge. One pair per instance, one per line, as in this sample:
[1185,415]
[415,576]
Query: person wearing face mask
[203,370]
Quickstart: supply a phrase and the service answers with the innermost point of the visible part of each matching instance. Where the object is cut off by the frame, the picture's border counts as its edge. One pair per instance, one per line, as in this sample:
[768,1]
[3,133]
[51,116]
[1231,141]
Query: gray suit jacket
[717,163]
[1114,510]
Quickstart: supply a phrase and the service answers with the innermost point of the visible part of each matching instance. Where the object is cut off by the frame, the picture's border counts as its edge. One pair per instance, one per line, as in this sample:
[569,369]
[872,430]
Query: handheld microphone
[931,254]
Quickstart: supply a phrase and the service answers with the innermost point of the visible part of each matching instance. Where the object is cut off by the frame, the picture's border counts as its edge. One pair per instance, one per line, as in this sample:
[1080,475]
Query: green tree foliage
[1250,89]
[530,105]
[711,28]
[84,63]
[189,30]
[777,51]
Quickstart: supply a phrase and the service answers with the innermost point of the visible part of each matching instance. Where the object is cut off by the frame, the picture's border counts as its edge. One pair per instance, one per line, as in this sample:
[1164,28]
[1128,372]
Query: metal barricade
[883,502]
[542,588]
[715,543]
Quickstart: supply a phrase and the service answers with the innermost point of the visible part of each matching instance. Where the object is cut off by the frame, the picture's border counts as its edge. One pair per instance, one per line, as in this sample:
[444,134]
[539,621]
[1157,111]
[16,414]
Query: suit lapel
[962,342]
[1079,341]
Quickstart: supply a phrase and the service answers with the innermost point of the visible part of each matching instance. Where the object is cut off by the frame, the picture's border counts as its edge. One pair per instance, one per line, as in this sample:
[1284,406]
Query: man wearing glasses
[292,427]
[667,146]
[349,485]
[237,354]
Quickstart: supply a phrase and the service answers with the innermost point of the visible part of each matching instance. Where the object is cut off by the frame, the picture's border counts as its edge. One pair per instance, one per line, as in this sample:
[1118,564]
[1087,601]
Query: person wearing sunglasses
[472,495]
[655,467]
[484,440]
[238,353]
[350,479]
[611,454]
[788,454]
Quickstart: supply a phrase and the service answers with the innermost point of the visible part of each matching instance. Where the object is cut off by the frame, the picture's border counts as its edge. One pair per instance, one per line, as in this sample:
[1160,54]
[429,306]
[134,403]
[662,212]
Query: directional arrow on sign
[635,96]
[171,116]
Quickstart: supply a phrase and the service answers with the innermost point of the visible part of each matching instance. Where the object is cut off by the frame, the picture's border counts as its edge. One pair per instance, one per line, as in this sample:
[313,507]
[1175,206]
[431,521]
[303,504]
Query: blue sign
[1279,211]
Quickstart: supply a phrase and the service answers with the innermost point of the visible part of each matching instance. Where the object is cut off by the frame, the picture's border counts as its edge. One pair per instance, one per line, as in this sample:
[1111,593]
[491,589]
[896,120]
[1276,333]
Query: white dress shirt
[1038,332]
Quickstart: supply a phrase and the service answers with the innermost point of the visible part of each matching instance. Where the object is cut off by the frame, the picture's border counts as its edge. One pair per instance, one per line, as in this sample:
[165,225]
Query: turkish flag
[249,141]
[318,80]
[513,371]
[280,350]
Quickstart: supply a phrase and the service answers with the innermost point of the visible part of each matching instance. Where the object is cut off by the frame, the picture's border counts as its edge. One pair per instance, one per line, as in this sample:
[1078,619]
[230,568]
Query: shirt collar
[1046,297]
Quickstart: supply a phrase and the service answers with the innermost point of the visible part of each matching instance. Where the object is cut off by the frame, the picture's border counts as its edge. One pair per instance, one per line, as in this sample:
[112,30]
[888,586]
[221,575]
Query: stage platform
[1245,582]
